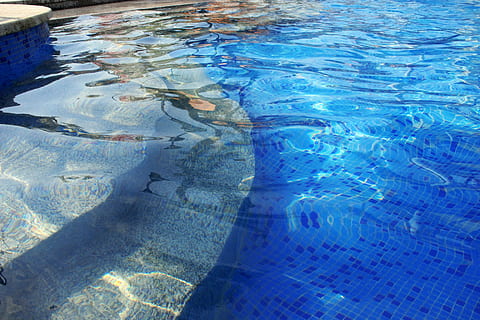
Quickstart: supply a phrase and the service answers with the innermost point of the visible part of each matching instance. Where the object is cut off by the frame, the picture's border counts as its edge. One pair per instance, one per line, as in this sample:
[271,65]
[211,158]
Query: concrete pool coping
[17,17]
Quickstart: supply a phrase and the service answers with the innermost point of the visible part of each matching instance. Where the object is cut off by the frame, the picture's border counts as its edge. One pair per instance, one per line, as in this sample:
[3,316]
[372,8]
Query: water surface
[244,160]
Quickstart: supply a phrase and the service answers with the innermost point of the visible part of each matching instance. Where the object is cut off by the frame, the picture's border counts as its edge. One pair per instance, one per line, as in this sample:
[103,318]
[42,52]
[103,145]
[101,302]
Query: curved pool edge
[19,17]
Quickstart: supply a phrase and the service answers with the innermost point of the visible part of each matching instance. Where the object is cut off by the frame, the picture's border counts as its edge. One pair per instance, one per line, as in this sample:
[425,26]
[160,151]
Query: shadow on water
[213,298]
[168,199]
[179,204]
[81,252]
[51,271]
[315,239]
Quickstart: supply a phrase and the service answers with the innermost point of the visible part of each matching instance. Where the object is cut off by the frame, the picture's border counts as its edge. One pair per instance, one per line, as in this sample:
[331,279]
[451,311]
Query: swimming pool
[248,160]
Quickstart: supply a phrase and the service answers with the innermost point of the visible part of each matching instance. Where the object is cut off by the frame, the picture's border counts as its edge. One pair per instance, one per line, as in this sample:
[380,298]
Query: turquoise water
[248,160]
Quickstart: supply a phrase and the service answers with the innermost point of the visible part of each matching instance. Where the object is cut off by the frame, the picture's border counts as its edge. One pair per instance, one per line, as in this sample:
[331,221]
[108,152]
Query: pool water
[248,160]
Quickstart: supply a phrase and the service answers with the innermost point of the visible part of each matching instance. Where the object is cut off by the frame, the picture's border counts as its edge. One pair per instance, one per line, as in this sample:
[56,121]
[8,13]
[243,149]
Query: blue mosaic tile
[23,51]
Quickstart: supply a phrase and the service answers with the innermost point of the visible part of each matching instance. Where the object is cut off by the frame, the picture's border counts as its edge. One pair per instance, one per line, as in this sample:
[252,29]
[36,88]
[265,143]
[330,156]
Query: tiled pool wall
[21,52]
[24,35]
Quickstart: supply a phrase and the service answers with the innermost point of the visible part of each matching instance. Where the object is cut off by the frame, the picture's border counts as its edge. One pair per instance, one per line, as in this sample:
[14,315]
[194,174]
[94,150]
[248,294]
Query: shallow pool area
[247,160]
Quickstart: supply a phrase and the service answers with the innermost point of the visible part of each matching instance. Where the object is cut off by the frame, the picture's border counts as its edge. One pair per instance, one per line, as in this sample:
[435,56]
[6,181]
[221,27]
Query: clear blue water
[249,160]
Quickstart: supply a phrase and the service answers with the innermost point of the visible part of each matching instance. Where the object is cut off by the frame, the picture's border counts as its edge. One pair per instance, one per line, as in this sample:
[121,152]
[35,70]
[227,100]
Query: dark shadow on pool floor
[72,258]
[45,277]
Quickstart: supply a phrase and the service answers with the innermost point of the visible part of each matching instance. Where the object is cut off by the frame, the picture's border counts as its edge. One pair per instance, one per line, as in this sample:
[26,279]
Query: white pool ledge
[18,17]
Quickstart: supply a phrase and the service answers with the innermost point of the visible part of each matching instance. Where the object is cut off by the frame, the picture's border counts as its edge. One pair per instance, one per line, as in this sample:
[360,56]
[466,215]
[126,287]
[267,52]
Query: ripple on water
[356,115]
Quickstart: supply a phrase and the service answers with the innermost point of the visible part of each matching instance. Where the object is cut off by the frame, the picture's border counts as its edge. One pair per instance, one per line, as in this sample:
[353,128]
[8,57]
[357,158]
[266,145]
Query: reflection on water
[50,124]
[354,209]
[243,160]
[121,175]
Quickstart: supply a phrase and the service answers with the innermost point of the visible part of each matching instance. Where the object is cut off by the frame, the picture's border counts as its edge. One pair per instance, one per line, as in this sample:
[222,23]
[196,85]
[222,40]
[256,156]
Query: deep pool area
[247,160]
